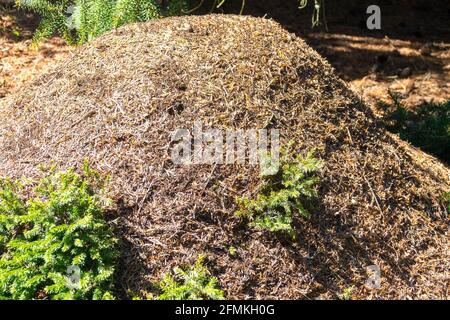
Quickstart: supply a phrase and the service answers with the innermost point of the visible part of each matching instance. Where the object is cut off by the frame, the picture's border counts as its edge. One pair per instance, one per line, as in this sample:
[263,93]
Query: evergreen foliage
[194,283]
[59,227]
[79,21]
[283,193]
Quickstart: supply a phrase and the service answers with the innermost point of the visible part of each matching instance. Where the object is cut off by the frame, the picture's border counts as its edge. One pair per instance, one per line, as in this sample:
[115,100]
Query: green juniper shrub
[283,193]
[48,231]
[79,21]
[191,283]
[427,127]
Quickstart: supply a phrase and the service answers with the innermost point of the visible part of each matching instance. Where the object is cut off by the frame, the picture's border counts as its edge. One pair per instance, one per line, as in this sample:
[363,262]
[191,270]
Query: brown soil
[409,57]
[19,60]
[113,102]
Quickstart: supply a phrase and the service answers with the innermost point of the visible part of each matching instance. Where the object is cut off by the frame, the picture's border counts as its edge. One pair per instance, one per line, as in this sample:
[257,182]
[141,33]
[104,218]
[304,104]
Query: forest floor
[20,60]
[415,67]
[408,58]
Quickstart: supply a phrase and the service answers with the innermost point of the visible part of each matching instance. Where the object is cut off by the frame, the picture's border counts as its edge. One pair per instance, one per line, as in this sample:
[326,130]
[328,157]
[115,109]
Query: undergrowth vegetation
[54,241]
[283,193]
[192,283]
[427,127]
[79,21]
